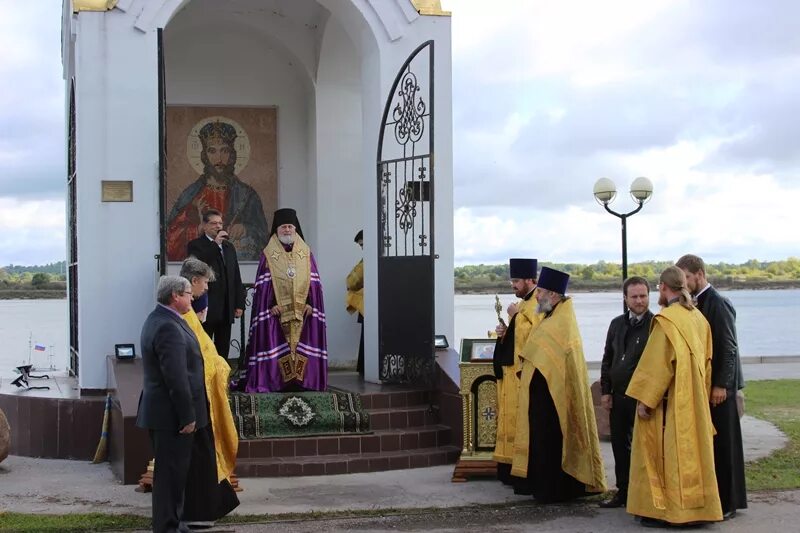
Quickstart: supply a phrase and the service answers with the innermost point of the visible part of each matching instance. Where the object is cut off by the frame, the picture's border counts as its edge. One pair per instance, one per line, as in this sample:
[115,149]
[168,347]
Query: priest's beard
[662,301]
[544,306]
[286,239]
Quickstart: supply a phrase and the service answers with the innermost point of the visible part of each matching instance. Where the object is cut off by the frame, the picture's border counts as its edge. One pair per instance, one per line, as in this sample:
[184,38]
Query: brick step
[399,399]
[402,417]
[385,440]
[346,463]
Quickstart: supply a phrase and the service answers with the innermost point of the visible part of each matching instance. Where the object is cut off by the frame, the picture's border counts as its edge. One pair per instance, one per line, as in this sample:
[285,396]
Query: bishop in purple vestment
[287,348]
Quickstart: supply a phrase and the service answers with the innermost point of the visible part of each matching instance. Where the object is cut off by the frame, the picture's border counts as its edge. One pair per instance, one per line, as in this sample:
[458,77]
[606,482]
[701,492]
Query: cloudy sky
[700,97]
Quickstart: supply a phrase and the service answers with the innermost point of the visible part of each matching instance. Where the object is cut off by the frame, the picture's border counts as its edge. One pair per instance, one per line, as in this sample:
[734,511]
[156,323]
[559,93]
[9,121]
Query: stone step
[398,399]
[386,440]
[346,463]
[402,417]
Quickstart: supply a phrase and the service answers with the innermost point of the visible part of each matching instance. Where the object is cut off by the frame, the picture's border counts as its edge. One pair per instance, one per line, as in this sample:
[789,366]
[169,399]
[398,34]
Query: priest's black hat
[286,215]
[553,280]
[359,236]
[522,268]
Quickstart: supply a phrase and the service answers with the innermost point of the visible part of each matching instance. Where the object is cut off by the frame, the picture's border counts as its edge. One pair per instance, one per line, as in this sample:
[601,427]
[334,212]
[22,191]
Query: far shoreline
[497,288]
[504,288]
[33,295]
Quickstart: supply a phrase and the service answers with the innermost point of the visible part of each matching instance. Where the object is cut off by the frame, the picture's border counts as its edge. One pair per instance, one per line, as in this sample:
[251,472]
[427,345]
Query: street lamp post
[641,191]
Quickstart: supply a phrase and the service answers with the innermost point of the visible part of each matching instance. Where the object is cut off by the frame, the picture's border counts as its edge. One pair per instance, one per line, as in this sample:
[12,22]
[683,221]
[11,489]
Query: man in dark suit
[226,294]
[173,401]
[625,342]
[726,381]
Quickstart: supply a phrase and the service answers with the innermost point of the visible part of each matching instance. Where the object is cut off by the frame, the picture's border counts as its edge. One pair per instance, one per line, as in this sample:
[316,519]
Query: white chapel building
[338,107]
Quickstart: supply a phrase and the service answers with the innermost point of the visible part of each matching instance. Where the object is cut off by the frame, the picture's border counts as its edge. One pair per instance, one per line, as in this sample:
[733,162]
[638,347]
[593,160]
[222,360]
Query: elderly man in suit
[226,294]
[173,401]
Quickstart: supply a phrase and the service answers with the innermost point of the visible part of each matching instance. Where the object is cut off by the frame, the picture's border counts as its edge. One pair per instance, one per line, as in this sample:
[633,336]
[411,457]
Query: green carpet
[298,414]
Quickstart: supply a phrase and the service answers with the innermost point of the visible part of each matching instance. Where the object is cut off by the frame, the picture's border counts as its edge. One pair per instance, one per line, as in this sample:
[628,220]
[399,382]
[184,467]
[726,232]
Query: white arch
[300,62]
[355,16]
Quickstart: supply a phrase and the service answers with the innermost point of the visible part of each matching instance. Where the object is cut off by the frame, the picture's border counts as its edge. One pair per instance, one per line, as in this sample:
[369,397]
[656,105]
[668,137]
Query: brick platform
[412,428]
[407,433]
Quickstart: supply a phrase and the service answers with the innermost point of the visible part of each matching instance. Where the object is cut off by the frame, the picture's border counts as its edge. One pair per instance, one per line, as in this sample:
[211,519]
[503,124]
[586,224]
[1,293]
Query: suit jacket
[174,390]
[726,366]
[624,346]
[226,294]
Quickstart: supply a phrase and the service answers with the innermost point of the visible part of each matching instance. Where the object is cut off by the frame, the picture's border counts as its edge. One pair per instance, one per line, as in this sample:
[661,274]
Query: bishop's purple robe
[268,344]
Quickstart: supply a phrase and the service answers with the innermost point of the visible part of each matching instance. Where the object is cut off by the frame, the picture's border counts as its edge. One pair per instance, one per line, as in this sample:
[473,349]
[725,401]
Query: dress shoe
[617,500]
[522,491]
[654,522]
[729,515]
[200,525]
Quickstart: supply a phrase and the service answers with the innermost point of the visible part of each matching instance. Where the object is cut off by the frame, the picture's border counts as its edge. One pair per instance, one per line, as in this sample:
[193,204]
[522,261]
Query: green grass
[71,522]
[22,522]
[777,401]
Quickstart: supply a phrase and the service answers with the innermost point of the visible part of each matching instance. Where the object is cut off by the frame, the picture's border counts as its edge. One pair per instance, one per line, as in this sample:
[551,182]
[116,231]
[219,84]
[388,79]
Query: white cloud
[548,97]
[665,89]
[34,232]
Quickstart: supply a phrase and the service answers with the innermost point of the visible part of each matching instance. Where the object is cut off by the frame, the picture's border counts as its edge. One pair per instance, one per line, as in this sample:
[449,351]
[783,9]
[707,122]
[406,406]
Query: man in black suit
[173,401]
[625,342]
[726,381]
[226,294]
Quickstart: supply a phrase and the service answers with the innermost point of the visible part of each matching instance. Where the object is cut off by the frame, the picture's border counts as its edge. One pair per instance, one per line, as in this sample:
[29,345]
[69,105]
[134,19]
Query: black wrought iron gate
[72,248]
[405,224]
[161,258]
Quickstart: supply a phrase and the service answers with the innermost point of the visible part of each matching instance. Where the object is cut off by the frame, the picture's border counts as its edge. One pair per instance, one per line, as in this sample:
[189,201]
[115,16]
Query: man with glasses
[225,295]
[172,405]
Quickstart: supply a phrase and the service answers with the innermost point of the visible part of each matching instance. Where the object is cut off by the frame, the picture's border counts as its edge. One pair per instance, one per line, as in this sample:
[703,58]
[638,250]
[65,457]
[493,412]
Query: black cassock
[504,357]
[726,372]
[729,455]
[206,500]
[546,480]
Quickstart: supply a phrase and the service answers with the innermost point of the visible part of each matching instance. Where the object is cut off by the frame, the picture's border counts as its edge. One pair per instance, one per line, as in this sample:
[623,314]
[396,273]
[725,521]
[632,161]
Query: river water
[767,323]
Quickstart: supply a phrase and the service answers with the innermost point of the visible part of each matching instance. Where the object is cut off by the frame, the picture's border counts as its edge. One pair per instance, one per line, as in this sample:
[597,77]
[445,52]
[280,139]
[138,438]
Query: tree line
[37,281]
[48,281]
[608,276]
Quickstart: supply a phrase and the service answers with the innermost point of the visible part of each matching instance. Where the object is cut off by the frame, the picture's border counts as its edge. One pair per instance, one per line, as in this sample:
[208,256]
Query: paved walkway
[767,512]
[32,485]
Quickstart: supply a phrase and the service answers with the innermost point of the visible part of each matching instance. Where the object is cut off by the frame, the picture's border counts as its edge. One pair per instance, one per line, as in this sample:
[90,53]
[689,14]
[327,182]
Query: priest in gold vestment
[672,476]
[556,446]
[522,319]
[354,301]
[209,495]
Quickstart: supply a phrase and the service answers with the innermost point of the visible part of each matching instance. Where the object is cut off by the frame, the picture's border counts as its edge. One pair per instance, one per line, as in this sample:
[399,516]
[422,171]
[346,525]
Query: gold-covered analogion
[479,410]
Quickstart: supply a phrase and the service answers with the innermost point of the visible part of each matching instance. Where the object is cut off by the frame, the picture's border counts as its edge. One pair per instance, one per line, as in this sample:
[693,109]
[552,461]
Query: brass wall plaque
[117,191]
